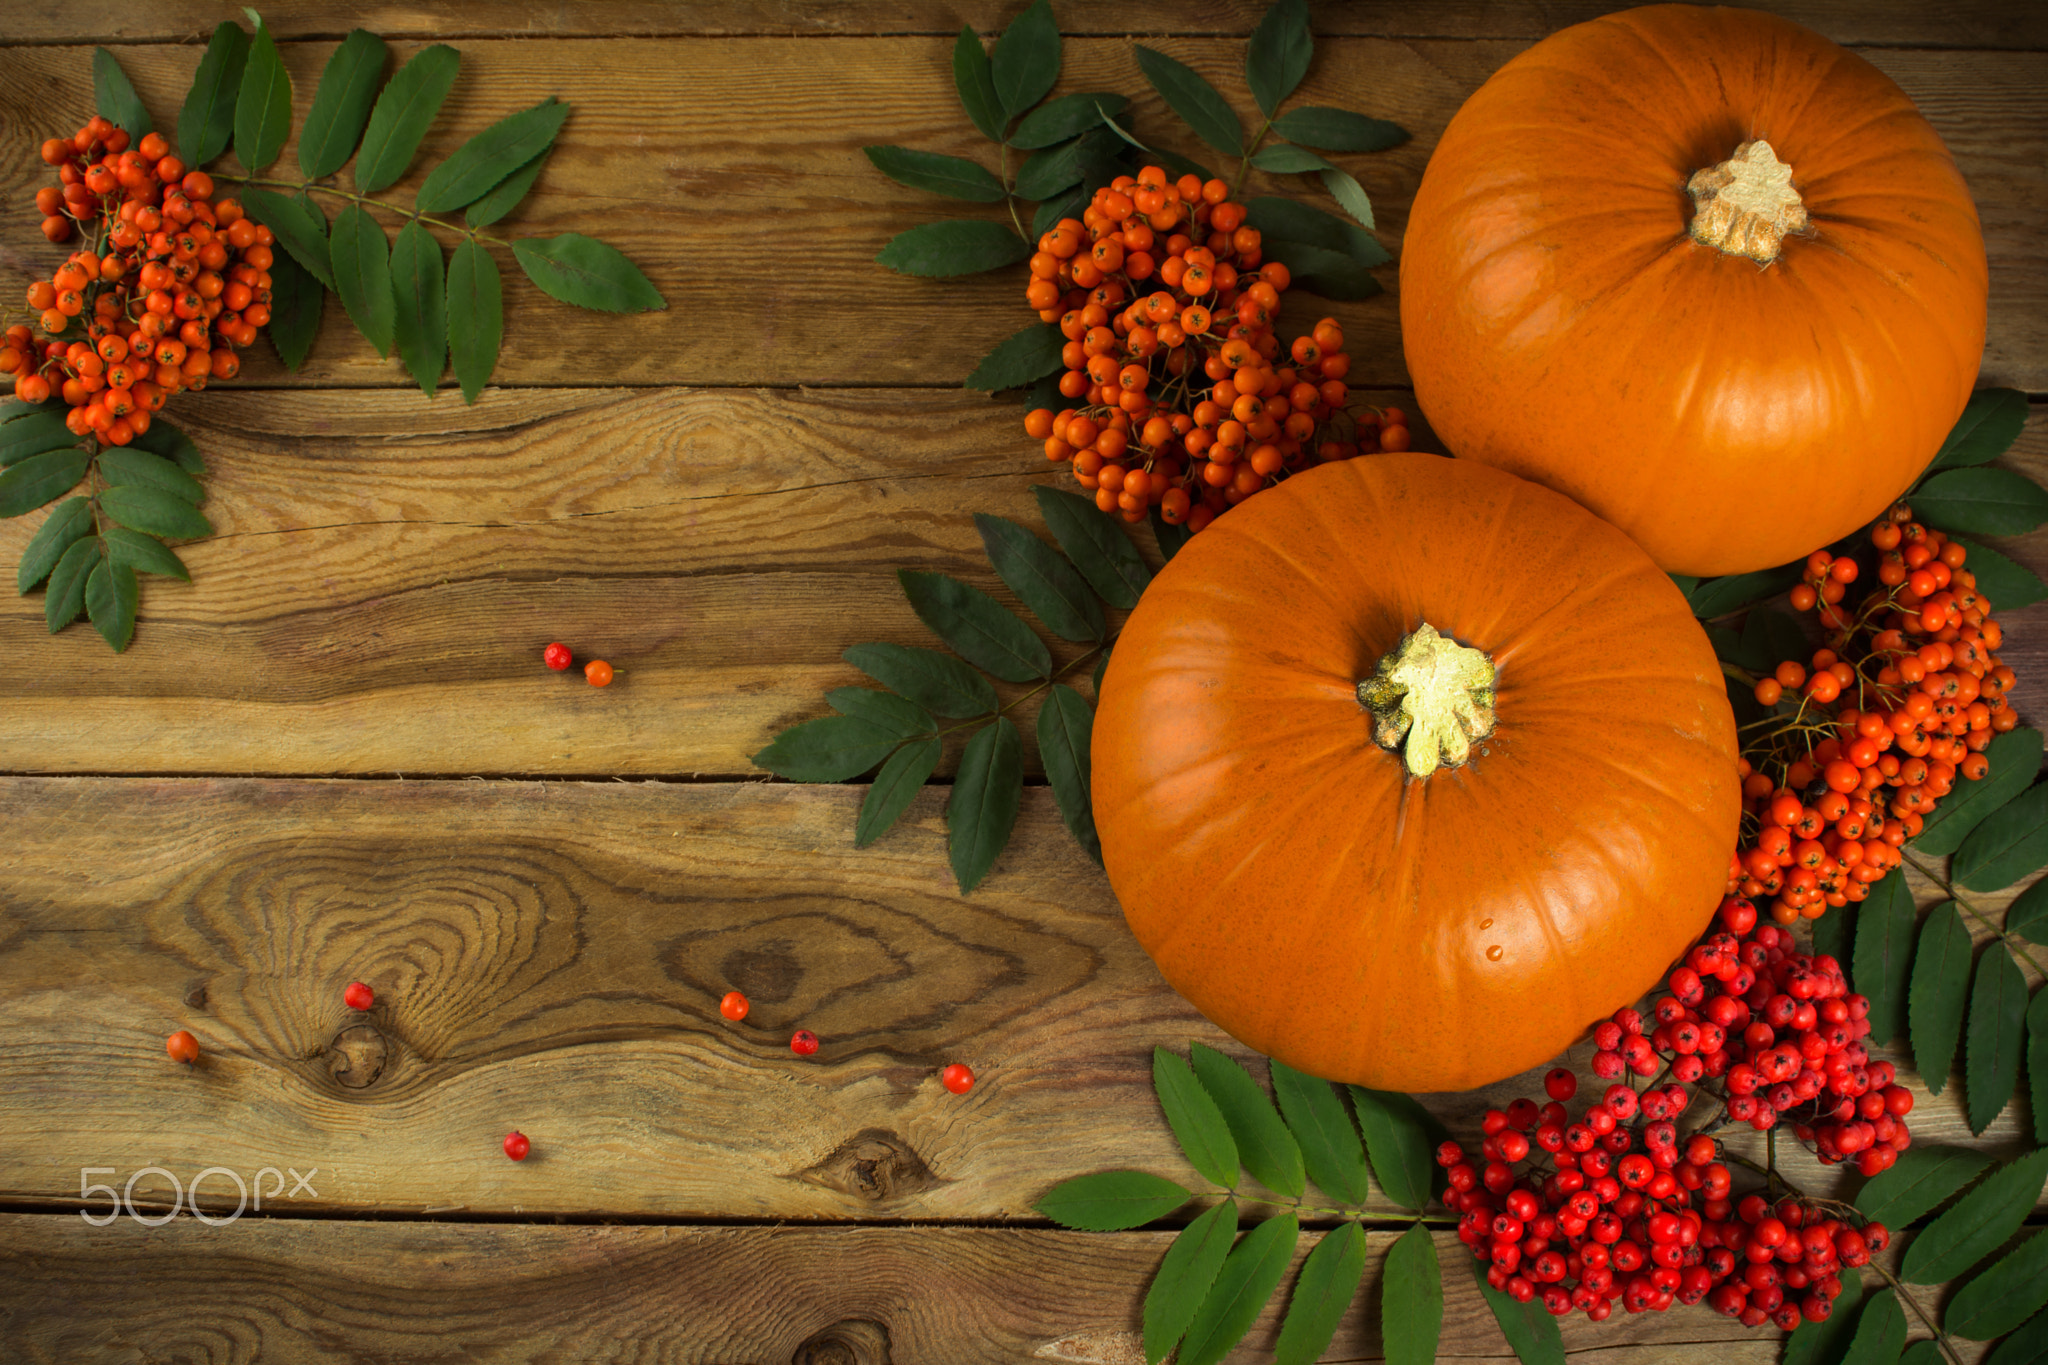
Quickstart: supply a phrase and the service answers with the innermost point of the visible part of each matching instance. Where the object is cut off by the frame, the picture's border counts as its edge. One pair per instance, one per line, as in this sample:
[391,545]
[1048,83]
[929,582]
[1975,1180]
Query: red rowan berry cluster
[1904,701]
[1616,1207]
[1781,1032]
[1185,401]
[169,283]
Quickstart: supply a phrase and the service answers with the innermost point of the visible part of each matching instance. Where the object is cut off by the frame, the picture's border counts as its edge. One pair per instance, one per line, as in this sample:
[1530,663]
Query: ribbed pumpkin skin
[1425,935]
[1560,323]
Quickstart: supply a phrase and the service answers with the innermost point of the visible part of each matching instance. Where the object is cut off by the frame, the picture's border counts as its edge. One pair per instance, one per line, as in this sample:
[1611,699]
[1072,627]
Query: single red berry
[598,672]
[183,1047]
[1561,1084]
[516,1145]
[358,996]
[557,657]
[957,1078]
[734,1006]
[803,1042]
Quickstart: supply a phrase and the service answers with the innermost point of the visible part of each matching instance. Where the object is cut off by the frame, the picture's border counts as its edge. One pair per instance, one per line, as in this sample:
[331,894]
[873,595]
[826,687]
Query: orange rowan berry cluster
[1902,703]
[169,284]
[1184,399]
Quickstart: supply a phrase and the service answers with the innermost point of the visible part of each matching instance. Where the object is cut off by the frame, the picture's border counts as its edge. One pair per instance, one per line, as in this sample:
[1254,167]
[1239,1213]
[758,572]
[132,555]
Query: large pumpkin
[1354,909]
[1704,271]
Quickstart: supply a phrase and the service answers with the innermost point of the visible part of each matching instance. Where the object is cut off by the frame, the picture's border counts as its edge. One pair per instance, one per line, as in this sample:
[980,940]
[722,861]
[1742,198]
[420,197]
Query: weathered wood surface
[730,170]
[2010,24]
[378,595]
[289,1292]
[549,957]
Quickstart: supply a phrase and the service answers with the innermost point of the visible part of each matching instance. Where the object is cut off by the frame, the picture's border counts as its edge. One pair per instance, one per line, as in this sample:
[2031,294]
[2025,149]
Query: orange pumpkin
[1704,271]
[1332,901]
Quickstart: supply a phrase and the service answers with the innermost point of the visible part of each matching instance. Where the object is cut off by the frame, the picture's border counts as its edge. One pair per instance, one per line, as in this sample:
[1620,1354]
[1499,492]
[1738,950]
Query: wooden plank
[684,152]
[288,1291]
[1999,24]
[549,957]
[378,596]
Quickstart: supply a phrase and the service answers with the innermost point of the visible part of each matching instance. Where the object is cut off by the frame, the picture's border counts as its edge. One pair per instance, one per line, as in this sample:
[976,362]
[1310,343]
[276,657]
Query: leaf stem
[1010,193]
[1056,675]
[1244,162]
[314,186]
[1942,881]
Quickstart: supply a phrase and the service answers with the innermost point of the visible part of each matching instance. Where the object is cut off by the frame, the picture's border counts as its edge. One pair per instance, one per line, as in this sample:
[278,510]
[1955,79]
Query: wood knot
[856,1341]
[195,998]
[874,1164]
[358,1056]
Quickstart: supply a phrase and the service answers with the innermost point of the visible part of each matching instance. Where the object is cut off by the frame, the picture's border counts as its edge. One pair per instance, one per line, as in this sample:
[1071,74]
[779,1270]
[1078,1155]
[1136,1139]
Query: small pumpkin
[1703,270]
[1408,770]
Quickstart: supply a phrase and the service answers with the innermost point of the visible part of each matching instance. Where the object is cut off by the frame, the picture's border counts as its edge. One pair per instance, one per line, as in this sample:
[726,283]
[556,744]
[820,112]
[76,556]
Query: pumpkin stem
[1436,694]
[1746,205]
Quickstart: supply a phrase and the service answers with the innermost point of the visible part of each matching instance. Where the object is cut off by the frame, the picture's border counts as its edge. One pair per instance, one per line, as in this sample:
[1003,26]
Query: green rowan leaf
[207,120]
[1264,1145]
[987,791]
[1990,423]
[1329,1281]
[1977,1223]
[420,314]
[1530,1330]
[341,104]
[1185,1277]
[66,596]
[114,96]
[1031,354]
[1026,62]
[1278,55]
[125,466]
[1934,1000]
[68,523]
[936,681]
[1193,1115]
[1069,116]
[894,788]
[586,272]
[1247,1280]
[110,597]
[1998,1014]
[144,554]
[39,479]
[476,316]
[507,194]
[831,749]
[1097,545]
[1331,1150]
[953,176]
[1886,923]
[1338,130]
[1411,1299]
[486,159]
[982,630]
[2013,1289]
[1110,1201]
[361,257]
[1923,1178]
[1194,99]
[402,114]
[1065,723]
[2015,759]
[1399,1142]
[977,87]
[263,107]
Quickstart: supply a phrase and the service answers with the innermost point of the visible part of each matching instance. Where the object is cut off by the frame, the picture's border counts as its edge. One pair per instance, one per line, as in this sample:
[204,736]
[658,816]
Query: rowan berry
[733,1006]
[558,657]
[358,996]
[803,1042]
[957,1078]
[183,1047]
[598,673]
[516,1145]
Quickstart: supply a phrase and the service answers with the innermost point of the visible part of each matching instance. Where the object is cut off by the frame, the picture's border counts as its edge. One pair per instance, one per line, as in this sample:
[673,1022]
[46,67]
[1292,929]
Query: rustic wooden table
[335,754]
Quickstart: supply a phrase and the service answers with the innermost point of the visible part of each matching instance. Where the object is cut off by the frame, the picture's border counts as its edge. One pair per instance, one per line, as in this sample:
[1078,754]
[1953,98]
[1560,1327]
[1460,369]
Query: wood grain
[730,170]
[287,1291]
[378,596]
[2006,24]
[549,957]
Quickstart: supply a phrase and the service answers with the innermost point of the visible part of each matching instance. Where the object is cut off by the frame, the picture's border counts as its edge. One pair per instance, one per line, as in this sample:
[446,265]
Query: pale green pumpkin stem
[1430,697]
[1746,205]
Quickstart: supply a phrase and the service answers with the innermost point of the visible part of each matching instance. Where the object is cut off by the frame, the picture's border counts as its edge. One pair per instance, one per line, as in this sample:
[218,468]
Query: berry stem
[2012,945]
[1022,697]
